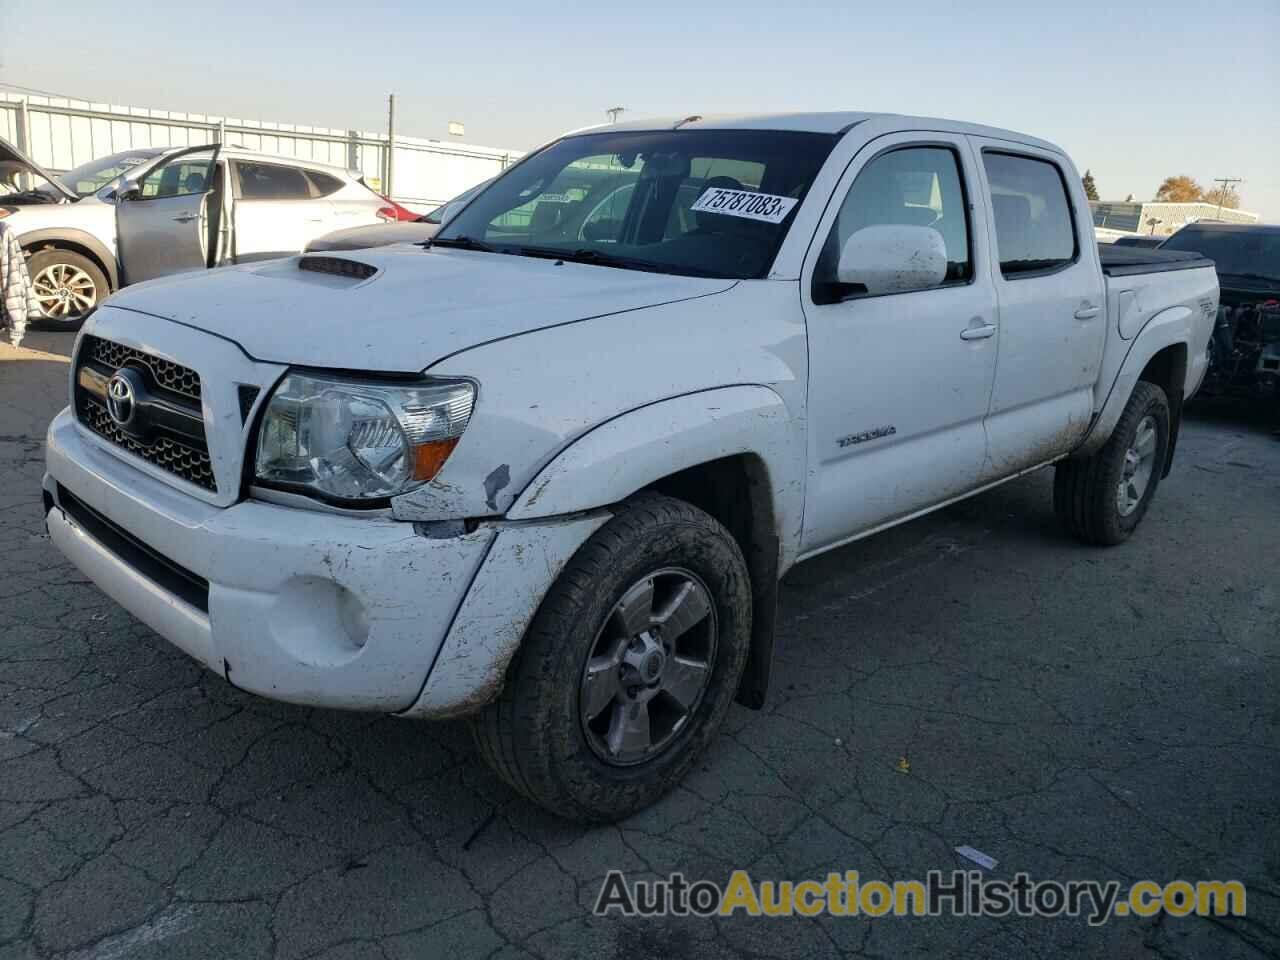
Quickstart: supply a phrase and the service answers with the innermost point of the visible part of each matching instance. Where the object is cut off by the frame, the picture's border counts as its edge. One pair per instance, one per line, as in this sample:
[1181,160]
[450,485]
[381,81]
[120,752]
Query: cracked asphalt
[1071,712]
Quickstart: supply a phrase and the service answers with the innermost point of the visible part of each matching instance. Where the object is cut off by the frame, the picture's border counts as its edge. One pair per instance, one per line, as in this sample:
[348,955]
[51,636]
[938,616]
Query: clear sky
[1133,91]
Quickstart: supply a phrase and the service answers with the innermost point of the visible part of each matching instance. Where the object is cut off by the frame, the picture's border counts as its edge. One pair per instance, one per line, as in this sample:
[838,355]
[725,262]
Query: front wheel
[67,286]
[629,667]
[1102,499]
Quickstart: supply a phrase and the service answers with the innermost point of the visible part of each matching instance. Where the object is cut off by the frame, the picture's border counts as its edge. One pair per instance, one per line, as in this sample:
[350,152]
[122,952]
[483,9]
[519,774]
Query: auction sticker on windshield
[744,203]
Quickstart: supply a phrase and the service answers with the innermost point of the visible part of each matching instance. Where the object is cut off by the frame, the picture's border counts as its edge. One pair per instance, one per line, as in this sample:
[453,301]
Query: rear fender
[1124,362]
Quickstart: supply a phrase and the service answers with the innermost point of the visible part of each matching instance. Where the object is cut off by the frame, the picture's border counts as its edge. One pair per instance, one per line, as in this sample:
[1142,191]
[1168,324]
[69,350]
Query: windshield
[89,178]
[694,202]
[1233,251]
[447,209]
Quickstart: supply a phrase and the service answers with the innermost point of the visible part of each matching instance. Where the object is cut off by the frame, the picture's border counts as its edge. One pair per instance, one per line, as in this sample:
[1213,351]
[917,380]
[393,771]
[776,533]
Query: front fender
[636,449]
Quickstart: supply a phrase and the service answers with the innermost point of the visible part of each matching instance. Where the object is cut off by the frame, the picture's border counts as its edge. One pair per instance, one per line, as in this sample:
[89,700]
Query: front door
[162,221]
[899,383]
[1049,290]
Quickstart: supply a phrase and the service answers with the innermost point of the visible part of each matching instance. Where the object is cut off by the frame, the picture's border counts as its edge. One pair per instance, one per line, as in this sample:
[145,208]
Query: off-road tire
[532,736]
[50,256]
[1084,490]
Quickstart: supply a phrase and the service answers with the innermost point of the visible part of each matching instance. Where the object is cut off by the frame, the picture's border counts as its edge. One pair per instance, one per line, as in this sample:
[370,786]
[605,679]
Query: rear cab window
[1034,225]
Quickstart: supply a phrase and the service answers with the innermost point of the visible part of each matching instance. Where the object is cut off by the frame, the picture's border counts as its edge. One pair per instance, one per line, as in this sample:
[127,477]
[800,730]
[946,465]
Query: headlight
[352,440]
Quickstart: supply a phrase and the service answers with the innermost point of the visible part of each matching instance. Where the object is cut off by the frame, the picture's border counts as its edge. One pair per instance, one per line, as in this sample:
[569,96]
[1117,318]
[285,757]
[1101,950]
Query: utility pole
[613,113]
[391,143]
[1226,185]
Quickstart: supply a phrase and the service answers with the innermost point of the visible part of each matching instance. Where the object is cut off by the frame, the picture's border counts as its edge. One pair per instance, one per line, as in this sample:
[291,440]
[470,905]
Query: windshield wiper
[581,255]
[460,243]
[602,258]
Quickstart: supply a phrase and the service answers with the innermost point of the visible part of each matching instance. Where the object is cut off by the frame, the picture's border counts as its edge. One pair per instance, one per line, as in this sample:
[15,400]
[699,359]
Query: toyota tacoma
[546,470]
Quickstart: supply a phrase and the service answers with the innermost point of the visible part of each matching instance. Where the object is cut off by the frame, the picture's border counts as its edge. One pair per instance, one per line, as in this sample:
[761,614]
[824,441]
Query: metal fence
[60,134]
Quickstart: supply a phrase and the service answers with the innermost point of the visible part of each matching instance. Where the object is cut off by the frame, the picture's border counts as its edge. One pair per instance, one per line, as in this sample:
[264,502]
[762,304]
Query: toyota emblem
[122,399]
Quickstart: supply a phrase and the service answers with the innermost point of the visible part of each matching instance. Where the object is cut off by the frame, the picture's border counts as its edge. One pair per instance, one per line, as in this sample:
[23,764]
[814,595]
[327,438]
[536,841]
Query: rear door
[1049,293]
[162,223]
[899,383]
[277,210]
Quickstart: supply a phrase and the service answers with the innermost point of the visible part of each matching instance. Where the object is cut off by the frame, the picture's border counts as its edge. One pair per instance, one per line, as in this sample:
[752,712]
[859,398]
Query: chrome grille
[165,373]
[172,435]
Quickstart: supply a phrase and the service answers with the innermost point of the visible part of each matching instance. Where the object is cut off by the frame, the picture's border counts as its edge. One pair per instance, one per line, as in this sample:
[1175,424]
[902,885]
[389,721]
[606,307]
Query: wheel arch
[1159,354]
[76,241]
[733,452]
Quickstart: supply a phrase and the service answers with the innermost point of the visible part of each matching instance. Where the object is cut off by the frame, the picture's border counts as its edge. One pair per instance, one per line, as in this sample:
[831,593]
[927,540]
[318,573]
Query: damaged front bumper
[303,606]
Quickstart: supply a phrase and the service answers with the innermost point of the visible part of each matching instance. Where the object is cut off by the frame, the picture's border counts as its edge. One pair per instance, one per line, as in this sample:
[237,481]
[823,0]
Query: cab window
[187,175]
[1034,229]
[909,186]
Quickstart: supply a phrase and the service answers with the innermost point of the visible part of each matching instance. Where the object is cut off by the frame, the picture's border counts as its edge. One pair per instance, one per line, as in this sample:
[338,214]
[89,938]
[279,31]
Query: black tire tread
[1082,499]
[499,733]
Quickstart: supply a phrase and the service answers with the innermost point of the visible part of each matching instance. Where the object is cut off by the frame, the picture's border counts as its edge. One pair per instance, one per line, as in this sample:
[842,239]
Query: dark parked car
[1245,350]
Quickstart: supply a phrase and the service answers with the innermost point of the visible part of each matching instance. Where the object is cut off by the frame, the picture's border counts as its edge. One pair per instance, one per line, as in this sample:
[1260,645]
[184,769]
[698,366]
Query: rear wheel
[1102,499]
[629,666]
[67,286]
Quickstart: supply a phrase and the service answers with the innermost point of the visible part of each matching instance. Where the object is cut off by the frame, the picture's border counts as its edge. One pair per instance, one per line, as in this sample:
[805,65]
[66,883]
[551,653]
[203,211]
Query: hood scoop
[338,267]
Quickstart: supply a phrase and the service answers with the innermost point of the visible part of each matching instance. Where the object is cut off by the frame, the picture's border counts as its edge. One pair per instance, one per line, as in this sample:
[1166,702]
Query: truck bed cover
[1126,261]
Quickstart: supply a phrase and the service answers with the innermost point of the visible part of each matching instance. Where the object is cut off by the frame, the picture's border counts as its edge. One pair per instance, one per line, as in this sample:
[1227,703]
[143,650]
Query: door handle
[979,332]
[185,218]
[1087,312]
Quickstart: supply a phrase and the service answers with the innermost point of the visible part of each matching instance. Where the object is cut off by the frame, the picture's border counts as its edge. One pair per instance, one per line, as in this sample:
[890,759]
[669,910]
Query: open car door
[163,220]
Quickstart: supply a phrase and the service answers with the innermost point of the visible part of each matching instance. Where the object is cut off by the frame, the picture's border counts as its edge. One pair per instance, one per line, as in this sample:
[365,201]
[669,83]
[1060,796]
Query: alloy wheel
[64,292]
[649,667]
[1139,465]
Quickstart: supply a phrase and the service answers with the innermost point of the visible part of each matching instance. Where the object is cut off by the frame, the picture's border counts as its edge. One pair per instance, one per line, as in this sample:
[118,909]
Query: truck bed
[1126,261]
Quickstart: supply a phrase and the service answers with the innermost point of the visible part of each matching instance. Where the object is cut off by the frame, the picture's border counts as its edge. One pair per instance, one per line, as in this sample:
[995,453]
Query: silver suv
[154,211]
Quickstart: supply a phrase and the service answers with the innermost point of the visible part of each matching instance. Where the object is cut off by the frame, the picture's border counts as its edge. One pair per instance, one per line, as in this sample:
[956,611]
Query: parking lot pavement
[970,678]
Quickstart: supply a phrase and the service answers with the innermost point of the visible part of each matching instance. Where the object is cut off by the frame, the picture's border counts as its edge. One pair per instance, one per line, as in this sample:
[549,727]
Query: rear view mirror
[893,258]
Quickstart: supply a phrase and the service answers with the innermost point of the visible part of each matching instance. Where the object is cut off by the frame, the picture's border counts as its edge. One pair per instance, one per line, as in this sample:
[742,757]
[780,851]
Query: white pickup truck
[546,470]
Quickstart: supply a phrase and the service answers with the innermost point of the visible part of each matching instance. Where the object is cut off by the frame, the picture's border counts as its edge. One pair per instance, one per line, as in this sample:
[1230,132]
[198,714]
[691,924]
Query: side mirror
[128,190]
[893,258]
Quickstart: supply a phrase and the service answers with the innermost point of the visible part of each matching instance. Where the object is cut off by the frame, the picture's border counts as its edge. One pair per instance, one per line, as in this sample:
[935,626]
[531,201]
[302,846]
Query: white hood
[421,305]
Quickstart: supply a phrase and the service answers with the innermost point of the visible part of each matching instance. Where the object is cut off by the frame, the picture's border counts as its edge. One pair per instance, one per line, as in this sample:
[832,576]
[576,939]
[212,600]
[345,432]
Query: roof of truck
[830,122]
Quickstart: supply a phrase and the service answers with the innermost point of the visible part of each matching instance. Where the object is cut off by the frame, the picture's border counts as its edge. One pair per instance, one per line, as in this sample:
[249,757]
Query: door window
[1034,228]
[269,181]
[187,175]
[322,185]
[910,186]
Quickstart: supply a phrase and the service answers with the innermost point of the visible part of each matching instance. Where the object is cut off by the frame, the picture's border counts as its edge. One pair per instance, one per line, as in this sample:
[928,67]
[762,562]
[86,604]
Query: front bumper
[303,606]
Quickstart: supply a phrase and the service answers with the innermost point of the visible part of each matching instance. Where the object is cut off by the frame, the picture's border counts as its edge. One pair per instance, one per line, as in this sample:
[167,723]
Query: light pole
[613,113]
[1222,191]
